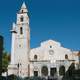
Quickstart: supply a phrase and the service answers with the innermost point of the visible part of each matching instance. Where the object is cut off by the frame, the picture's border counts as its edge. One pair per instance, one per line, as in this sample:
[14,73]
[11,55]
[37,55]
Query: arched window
[66,56]
[21,30]
[22,19]
[22,11]
[35,57]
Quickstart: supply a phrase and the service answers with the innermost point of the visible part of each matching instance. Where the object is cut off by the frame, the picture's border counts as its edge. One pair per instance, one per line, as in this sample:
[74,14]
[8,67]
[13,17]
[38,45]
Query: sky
[58,20]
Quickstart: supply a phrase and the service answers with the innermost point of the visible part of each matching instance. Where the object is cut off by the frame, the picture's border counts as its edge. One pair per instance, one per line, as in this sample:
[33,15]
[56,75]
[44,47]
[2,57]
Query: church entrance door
[35,73]
[53,71]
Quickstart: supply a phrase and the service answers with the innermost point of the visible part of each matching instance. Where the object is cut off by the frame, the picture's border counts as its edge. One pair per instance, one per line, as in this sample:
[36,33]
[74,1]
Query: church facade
[45,60]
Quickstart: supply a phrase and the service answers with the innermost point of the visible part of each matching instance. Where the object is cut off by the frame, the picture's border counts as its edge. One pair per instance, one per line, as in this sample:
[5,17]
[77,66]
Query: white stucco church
[44,60]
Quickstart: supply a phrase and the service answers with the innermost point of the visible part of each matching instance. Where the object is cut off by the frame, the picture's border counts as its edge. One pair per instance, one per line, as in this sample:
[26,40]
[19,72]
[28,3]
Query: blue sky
[49,19]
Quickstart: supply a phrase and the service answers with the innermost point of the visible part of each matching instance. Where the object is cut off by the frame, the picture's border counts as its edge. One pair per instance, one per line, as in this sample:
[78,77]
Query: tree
[5,61]
[62,70]
[69,73]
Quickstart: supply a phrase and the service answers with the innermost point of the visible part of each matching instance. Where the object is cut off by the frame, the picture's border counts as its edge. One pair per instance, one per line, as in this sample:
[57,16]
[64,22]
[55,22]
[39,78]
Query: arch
[44,71]
[62,70]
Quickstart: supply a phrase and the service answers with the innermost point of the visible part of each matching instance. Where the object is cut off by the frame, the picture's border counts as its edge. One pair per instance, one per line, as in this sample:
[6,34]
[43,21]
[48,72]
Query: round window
[51,52]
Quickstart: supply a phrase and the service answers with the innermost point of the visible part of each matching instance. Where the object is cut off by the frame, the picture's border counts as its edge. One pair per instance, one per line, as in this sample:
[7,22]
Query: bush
[13,77]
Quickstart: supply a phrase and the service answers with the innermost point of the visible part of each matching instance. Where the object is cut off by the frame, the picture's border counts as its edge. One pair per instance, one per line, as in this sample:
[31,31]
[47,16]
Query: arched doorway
[44,71]
[62,70]
[35,71]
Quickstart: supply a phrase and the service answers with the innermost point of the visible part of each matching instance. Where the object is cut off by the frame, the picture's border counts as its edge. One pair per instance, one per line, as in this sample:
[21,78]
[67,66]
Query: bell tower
[21,42]
[23,26]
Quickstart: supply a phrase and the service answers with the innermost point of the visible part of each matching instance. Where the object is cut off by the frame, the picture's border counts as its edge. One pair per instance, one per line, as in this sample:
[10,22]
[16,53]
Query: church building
[45,60]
